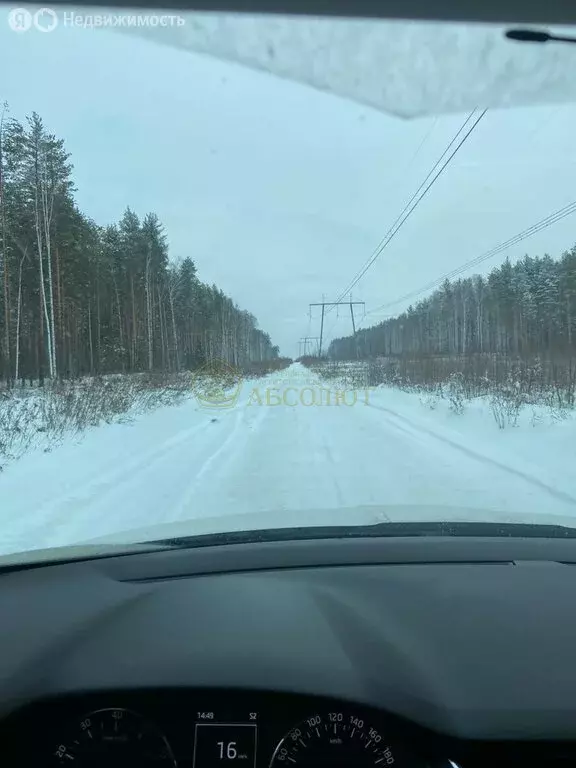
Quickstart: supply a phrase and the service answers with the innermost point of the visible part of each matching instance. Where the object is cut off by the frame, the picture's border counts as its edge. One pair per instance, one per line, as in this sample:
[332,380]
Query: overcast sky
[277,191]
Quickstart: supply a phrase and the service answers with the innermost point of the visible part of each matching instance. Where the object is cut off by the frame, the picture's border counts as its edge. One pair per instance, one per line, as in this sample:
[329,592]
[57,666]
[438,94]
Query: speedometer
[114,738]
[343,740]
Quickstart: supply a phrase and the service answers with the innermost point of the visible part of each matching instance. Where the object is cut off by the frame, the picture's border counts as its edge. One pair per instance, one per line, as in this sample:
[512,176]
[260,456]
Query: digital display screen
[225,745]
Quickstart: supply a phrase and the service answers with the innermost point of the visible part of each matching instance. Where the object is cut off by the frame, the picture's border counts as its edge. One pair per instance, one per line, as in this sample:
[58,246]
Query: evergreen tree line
[78,299]
[524,310]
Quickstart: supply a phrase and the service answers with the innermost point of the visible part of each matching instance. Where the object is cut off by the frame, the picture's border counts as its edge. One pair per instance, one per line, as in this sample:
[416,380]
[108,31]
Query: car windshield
[272,272]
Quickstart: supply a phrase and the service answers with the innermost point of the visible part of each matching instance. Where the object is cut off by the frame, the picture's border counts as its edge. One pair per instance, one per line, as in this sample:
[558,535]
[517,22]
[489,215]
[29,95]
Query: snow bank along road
[276,451]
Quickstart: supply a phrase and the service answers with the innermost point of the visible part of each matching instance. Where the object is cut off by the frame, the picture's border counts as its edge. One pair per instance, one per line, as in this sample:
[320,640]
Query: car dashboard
[409,652]
[210,729]
[230,729]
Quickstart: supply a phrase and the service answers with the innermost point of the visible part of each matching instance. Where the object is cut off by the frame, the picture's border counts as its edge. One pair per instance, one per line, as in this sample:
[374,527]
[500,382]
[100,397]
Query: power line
[305,335]
[404,172]
[528,232]
[328,333]
[416,198]
[424,140]
[349,303]
[304,342]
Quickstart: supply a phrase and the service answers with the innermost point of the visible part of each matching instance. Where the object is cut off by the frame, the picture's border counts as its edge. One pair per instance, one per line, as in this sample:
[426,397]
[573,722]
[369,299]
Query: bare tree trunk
[120,329]
[60,329]
[98,321]
[464,323]
[174,334]
[133,345]
[149,311]
[18,315]
[90,338]
[47,211]
[161,322]
[479,323]
[40,349]
[39,245]
[4,250]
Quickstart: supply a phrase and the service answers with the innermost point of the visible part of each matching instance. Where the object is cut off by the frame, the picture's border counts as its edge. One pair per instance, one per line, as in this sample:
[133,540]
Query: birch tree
[79,298]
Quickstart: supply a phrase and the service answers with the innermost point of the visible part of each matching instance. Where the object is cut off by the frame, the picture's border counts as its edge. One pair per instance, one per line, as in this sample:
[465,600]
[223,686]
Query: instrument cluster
[223,730]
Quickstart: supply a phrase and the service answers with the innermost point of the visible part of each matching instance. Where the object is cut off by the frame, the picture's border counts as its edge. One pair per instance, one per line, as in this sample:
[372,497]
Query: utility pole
[325,304]
[304,341]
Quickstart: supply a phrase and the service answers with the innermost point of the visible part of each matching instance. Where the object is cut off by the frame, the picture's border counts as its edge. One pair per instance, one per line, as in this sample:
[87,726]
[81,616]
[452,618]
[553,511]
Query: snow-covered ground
[271,453]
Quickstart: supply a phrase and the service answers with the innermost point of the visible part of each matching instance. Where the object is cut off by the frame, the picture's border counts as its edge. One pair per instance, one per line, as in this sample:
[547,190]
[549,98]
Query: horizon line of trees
[80,299]
[523,310]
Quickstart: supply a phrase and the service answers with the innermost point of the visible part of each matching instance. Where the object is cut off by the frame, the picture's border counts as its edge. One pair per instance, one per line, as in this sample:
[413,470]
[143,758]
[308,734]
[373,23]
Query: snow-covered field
[275,452]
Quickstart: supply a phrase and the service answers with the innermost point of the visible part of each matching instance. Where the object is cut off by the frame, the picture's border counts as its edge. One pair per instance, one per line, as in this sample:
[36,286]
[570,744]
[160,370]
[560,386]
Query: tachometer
[343,740]
[114,738]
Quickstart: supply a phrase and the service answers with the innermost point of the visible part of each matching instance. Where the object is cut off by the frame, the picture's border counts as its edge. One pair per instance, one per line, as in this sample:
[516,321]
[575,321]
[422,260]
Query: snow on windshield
[402,68]
[231,301]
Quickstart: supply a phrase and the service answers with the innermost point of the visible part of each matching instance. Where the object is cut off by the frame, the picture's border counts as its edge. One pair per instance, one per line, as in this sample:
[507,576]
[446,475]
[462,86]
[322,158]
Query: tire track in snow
[324,459]
[79,512]
[109,483]
[242,431]
[333,465]
[417,428]
[73,510]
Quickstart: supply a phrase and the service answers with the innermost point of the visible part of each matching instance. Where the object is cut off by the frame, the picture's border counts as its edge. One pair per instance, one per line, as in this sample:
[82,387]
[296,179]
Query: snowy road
[189,462]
